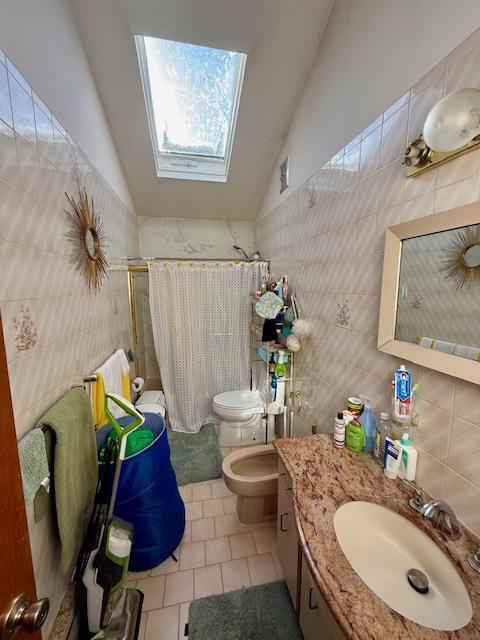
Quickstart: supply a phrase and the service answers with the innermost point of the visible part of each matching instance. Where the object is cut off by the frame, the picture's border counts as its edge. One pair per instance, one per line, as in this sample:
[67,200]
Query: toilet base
[256,510]
[234,434]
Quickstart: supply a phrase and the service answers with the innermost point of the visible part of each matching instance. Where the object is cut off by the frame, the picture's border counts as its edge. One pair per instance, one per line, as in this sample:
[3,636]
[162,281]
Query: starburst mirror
[88,236]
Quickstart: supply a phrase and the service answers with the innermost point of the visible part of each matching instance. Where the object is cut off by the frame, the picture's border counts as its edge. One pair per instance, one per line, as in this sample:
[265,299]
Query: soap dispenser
[408,463]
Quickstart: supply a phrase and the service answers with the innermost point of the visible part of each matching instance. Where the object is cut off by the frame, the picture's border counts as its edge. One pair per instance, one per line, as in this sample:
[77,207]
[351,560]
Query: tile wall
[55,330]
[328,236]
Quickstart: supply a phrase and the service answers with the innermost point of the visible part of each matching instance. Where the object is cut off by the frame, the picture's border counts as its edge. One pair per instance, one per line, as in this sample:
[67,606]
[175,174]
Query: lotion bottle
[408,463]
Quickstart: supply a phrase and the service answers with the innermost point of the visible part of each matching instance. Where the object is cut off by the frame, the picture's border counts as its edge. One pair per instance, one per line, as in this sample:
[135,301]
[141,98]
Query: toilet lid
[237,399]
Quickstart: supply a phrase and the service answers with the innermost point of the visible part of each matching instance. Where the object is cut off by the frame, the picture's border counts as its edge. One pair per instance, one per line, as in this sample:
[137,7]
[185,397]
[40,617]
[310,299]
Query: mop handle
[122,433]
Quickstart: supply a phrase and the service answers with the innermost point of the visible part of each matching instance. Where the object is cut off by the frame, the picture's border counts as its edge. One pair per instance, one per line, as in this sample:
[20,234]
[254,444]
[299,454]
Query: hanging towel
[70,439]
[110,379]
[269,305]
[33,463]
[125,368]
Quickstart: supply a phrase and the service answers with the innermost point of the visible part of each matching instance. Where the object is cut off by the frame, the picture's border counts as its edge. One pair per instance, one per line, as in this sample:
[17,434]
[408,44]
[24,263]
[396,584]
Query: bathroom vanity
[331,600]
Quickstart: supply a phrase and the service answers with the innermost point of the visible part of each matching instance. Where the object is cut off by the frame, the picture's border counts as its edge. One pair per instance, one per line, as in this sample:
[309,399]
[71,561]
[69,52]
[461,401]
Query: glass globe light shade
[453,121]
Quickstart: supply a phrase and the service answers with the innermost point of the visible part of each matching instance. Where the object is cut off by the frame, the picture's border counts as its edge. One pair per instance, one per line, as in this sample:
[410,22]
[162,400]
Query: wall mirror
[430,303]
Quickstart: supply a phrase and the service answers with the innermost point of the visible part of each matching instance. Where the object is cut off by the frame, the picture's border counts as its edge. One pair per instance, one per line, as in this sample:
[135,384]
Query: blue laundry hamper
[148,498]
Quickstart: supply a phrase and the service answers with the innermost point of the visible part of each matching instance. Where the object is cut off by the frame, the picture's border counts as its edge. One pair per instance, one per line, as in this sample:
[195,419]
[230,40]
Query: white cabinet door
[316,620]
[288,551]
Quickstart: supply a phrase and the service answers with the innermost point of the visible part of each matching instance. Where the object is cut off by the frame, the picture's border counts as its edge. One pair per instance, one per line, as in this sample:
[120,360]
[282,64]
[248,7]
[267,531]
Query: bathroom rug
[257,613]
[195,457]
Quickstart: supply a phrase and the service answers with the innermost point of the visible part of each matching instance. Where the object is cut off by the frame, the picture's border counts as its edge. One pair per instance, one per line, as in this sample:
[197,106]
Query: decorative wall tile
[55,331]
[343,355]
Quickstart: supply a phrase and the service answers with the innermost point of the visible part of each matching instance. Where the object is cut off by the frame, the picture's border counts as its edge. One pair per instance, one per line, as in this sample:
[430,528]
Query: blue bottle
[369,423]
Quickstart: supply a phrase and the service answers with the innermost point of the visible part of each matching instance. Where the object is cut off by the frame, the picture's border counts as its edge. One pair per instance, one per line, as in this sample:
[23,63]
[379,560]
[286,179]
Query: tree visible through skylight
[193,90]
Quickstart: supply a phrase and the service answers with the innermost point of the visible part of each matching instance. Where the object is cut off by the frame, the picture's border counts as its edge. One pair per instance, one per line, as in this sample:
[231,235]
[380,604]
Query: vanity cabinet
[316,620]
[288,549]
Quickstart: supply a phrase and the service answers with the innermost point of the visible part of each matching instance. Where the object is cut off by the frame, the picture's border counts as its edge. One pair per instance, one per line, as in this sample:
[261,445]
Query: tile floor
[217,554]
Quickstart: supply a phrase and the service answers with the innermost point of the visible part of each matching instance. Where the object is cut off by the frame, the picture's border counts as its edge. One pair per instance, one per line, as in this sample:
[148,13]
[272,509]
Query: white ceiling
[280,38]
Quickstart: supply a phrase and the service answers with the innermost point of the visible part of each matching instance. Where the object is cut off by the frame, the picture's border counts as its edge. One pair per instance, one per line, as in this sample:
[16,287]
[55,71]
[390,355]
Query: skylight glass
[192,95]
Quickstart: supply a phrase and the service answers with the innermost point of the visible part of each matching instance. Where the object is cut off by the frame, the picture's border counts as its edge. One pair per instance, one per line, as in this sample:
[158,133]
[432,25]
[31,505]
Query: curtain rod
[151,259]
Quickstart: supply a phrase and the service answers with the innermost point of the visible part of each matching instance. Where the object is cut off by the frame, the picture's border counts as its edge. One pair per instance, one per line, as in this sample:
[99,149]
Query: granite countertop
[323,479]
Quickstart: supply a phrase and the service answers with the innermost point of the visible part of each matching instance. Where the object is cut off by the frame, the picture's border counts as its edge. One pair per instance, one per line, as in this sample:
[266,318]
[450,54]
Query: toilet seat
[237,400]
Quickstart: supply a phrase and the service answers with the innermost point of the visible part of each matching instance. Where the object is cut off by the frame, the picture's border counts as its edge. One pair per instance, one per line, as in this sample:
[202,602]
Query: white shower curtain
[200,317]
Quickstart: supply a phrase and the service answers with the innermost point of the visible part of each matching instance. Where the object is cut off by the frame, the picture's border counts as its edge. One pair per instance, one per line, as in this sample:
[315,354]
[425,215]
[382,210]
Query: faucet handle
[474,560]
[417,502]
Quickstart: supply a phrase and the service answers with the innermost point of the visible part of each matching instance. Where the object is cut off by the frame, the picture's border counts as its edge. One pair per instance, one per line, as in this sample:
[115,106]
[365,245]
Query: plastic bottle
[355,437]
[339,431]
[383,431]
[273,389]
[392,458]
[271,365]
[408,463]
[369,423]
[280,369]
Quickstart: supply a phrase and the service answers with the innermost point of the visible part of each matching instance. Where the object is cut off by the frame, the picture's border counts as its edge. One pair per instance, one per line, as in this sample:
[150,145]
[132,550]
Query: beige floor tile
[226,525]
[184,611]
[261,569]
[203,529]
[168,566]
[242,545]
[163,623]
[220,489]
[193,511]
[192,555]
[217,550]
[230,504]
[213,508]
[186,492]
[202,492]
[254,527]
[265,540]
[153,589]
[235,575]
[187,534]
[278,566]
[225,451]
[178,588]
[207,581]
[137,575]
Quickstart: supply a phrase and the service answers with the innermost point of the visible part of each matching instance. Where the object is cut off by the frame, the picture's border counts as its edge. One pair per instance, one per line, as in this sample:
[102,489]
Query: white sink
[382,547]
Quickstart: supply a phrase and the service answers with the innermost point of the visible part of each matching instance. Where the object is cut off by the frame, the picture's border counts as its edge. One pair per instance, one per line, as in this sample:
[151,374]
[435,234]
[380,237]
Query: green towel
[33,463]
[70,444]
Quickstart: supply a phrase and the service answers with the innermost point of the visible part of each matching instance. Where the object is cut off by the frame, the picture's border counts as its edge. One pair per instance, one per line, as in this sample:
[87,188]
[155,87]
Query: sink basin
[382,546]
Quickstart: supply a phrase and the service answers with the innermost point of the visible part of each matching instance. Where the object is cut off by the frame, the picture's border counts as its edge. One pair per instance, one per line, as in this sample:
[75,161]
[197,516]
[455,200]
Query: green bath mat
[258,613]
[195,457]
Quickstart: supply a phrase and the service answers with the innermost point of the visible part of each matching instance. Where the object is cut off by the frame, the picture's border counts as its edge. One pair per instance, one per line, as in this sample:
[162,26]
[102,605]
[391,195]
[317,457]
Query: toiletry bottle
[392,458]
[286,291]
[369,423]
[273,389]
[402,404]
[383,431]
[408,463]
[339,431]
[280,369]
[354,437]
[271,365]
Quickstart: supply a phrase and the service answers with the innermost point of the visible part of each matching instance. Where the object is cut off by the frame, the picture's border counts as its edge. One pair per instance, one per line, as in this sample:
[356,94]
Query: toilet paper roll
[137,384]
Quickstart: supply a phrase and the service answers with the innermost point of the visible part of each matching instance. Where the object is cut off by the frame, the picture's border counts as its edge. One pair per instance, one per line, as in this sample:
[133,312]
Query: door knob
[23,615]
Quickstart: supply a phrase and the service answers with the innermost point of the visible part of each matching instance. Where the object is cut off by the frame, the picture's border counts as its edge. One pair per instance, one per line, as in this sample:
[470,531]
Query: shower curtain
[201,317]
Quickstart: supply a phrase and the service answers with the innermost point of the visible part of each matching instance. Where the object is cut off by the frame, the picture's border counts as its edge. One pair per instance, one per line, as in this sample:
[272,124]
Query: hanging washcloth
[269,305]
[33,463]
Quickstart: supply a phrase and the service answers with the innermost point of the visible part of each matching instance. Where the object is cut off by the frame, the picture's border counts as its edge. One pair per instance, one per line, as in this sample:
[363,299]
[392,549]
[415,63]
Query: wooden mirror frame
[443,362]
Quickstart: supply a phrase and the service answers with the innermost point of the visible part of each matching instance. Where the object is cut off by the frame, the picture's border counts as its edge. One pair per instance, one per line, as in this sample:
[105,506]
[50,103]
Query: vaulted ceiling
[280,38]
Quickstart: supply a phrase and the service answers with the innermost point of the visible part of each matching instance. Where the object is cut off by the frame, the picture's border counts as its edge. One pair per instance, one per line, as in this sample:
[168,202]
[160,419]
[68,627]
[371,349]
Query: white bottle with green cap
[408,463]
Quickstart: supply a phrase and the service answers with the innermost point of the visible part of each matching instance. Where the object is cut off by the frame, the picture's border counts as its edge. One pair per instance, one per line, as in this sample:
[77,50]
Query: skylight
[192,95]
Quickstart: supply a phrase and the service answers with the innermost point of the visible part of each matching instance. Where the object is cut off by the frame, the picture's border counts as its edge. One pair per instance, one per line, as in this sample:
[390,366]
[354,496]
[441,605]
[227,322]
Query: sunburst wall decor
[461,261]
[88,236]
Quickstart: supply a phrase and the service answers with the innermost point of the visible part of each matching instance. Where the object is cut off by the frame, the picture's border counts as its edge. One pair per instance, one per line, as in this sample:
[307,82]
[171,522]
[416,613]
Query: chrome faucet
[438,511]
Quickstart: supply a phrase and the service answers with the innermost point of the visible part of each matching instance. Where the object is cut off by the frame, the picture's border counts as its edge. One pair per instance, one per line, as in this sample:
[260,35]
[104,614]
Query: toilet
[241,422]
[252,475]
